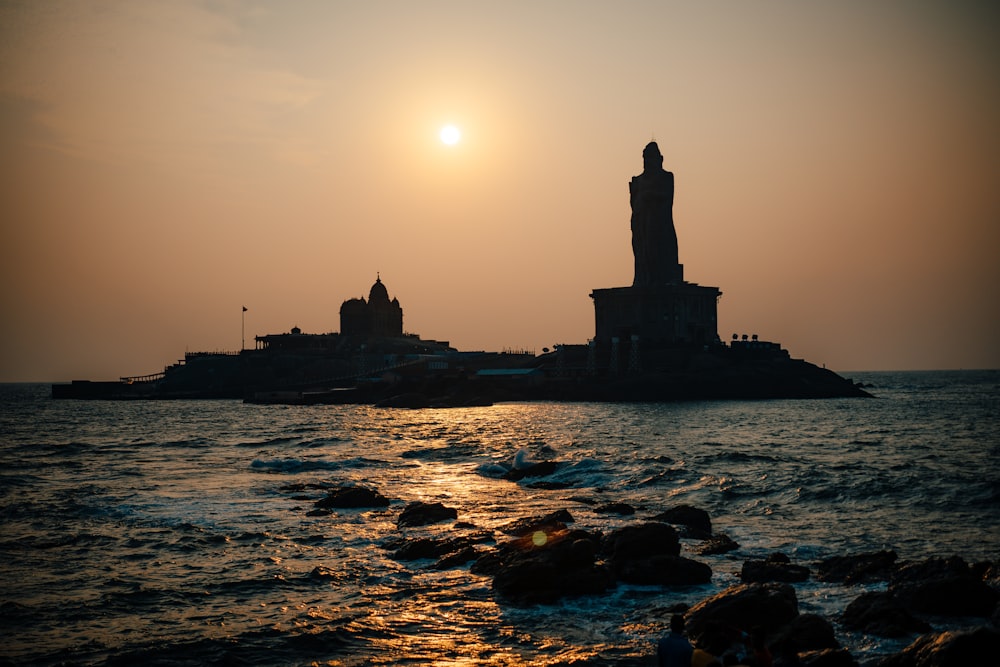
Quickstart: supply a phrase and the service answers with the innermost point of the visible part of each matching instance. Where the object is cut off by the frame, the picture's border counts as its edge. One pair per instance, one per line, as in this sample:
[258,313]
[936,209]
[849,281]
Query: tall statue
[654,240]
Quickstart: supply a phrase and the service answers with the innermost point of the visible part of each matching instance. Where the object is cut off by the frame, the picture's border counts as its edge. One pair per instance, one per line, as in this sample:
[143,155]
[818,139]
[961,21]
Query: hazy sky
[163,164]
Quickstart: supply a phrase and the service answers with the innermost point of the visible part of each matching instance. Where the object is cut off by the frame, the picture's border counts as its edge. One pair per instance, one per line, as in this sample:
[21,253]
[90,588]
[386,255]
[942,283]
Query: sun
[450,135]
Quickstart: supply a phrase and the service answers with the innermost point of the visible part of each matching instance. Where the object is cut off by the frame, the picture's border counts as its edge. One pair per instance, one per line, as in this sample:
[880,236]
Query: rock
[460,557]
[431,547]
[421,514]
[323,573]
[662,570]
[555,521]
[642,540]
[856,569]
[542,469]
[949,649]
[487,564]
[542,568]
[944,586]
[767,606]
[319,513]
[775,567]
[719,543]
[806,632]
[880,613]
[697,520]
[352,497]
[623,509]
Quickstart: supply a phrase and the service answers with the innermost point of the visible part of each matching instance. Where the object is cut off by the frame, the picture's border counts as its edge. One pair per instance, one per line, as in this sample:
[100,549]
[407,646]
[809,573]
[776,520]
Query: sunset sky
[163,164]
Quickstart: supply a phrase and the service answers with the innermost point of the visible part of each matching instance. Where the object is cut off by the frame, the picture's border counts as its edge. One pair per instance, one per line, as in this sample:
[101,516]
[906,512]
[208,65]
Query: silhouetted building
[376,317]
[660,308]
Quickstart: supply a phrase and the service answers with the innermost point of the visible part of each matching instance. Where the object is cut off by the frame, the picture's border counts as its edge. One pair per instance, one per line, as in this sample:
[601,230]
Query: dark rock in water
[775,567]
[352,497]
[430,547]
[542,568]
[615,508]
[319,513]
[949,649]
[487,564]
[649,554]
[661,570]
[945,586]
[719,543]
[745,607]
[542,469]
[641,541]
[421,514]
[880,613]
[555,521]
[460,557]
[806,632]
[322,573]
[685,515]
[858,568]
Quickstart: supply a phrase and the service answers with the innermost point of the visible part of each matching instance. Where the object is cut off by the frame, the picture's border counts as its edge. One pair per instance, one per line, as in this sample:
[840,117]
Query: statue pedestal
[666,315]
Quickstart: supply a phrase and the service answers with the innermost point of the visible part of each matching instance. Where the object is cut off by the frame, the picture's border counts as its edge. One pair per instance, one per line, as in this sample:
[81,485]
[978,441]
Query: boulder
[696,520]
[649,554]
[949,649]
[880,613]
[421,514]
[457,558]
[943,586]
[719,543]
[856,569]
[431,547]
[352,497]
[542,469]
[745,607]
[642,540]
[806,632]
[775,567]
[662,570]
[542,568]
[554,521]
[623,509]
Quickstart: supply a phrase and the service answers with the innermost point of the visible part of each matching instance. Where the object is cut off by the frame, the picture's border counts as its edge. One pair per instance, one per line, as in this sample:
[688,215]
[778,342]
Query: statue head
[652,159]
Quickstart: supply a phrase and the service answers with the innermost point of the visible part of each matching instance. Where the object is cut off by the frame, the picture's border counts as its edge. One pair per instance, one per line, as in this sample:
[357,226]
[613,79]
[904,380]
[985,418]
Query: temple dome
[378,293]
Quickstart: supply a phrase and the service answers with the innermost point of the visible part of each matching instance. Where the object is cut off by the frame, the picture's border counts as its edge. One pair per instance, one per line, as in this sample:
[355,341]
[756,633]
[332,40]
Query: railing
[218,353]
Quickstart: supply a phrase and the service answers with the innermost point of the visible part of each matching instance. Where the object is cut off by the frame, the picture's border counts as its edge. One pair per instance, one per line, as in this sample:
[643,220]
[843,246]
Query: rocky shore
[543,559]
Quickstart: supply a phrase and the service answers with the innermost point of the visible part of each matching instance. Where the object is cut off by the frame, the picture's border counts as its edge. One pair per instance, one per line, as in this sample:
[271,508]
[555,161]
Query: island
[655,340]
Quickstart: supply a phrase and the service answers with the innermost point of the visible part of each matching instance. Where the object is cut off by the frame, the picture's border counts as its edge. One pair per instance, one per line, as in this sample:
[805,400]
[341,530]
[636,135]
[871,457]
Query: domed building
[378,316]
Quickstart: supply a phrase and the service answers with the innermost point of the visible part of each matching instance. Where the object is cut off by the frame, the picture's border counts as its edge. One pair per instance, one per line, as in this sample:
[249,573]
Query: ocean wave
[293,465]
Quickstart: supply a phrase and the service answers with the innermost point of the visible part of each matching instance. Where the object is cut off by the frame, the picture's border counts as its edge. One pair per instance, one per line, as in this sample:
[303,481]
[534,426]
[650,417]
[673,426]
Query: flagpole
[243,330]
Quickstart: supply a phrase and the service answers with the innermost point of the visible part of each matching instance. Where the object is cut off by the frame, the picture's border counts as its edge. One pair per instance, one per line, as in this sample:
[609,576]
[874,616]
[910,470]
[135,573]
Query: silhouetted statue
[654,240]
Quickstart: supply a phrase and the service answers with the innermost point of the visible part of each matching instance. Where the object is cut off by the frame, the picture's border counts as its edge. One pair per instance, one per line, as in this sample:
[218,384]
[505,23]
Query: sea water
[178,533]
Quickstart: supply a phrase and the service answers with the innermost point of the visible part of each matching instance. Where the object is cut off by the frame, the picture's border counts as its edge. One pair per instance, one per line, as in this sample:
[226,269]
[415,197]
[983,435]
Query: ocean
[180,533]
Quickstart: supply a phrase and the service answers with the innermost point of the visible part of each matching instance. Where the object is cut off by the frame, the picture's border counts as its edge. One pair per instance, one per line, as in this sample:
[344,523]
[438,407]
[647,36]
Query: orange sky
[163,164]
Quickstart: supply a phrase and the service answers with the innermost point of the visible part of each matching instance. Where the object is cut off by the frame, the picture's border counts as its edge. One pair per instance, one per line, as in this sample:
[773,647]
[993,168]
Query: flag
[244,309]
